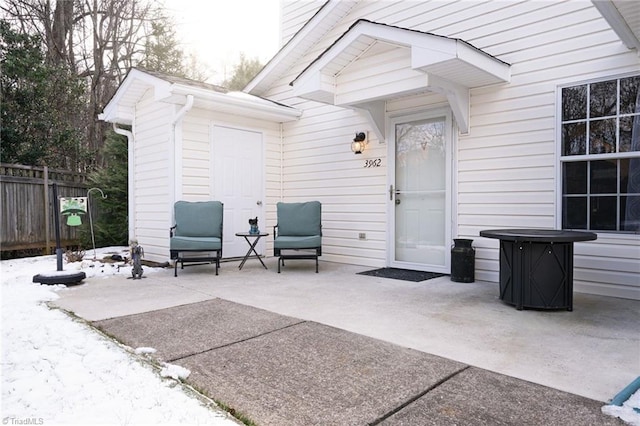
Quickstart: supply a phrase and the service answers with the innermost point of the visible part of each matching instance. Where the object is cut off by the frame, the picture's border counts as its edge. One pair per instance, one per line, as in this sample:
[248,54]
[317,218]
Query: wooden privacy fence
[27,212]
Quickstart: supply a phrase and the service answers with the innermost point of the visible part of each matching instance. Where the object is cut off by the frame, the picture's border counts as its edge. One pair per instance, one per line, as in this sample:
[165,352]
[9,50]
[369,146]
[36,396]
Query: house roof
[624,18]
[184,81]
[422,62]
[172,89]
[329,14]
[363,34]
[453,65]
[622,15]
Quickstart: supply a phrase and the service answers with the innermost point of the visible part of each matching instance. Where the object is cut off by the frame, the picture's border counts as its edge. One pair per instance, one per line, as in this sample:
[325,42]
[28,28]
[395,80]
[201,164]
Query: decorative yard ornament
[59,276]
[72,207]
[137,253]
[253,223]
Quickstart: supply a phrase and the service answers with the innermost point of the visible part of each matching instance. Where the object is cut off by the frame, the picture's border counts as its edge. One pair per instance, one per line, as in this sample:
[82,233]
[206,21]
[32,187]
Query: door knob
[259,202]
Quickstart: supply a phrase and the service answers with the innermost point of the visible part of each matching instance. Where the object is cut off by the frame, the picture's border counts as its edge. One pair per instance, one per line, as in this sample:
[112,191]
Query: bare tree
[99,40]
[61,27]
[52,23]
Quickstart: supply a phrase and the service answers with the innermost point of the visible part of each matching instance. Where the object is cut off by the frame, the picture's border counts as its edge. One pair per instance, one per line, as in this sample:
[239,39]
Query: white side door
[237,173]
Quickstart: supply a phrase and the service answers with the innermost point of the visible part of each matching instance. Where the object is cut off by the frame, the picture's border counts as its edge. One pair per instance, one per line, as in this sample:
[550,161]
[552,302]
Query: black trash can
[463,261]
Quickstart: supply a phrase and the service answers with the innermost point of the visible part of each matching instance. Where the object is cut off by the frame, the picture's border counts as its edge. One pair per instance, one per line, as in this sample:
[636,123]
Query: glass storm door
[420,194]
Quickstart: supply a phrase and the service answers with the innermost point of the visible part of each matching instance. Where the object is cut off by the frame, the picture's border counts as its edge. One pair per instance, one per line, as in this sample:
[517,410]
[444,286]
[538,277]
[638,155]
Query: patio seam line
[416,397]
[237,341]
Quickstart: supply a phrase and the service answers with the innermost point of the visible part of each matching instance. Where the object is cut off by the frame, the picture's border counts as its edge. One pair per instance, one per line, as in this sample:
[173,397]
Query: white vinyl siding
[380,72]
[153,178]
[506,166]
[155,188]
[294,14]
[609,266]
[196,152]
[319,165]
[197,171]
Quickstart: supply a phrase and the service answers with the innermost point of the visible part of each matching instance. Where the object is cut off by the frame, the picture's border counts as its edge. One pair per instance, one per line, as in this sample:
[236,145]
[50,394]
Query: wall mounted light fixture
[359,142]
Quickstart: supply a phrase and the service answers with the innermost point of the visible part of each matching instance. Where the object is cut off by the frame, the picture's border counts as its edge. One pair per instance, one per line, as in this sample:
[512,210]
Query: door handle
[390,192]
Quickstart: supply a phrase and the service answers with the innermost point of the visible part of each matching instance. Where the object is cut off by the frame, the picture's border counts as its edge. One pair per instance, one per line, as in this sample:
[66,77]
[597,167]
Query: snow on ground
[629,411]
[58,370]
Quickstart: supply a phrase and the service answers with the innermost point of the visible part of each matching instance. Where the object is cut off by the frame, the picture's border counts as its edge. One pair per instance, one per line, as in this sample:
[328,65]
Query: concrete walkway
[392,351]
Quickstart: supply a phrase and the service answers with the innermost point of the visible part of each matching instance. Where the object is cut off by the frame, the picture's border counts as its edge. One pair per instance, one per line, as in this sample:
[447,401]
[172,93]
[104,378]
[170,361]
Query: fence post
[47,225]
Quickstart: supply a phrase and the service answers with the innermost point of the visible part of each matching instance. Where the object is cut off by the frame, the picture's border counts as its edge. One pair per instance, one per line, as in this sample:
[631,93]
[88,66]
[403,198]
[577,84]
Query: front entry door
[238,182]
[420,192]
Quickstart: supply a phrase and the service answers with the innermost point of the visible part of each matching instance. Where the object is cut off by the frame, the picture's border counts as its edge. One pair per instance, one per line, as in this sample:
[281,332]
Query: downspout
[177,150]
[185,109]
[130,179]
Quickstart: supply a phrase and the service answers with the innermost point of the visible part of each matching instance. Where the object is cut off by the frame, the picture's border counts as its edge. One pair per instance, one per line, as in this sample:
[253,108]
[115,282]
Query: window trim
[560,159]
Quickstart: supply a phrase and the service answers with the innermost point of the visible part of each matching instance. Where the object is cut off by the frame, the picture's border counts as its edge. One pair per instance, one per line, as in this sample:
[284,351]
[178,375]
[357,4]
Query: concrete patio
[593,351]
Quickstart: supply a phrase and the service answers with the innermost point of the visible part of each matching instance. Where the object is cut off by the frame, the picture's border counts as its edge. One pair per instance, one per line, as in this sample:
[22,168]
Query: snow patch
[176,372]
[57,370]
[143,351]
[628,412]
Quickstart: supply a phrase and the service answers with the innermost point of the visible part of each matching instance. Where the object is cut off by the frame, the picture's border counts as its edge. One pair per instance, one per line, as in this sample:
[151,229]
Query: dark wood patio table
[252,246]
[536,266]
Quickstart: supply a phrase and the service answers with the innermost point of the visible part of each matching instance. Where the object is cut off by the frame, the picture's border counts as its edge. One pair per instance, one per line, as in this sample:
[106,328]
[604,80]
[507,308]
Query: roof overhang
[139,83]
[406,62]
[624,19]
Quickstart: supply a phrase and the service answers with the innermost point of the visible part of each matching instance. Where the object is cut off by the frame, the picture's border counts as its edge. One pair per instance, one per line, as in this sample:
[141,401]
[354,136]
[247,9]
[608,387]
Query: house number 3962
[373,163]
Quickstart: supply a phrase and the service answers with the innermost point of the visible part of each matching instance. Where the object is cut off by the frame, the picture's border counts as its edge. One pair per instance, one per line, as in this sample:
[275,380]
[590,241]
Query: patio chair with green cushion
[298,233]
[197,229]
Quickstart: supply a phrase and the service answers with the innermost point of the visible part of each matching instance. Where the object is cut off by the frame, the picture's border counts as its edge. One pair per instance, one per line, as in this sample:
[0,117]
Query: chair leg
[175,268]
[316,264]
[279,264]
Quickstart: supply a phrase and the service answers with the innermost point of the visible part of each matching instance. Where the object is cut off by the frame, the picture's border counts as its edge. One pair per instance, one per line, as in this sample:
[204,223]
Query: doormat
[402,274]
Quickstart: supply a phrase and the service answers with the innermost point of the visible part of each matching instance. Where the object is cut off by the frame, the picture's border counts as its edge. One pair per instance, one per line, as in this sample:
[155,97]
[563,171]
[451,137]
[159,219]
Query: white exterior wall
[196,154]
[294,14]
[153,180]
[197,173]
[508,164]
[505,168]
[319,165]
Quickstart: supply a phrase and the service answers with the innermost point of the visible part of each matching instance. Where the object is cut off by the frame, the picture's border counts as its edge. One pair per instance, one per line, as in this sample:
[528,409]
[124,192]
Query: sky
[217,31]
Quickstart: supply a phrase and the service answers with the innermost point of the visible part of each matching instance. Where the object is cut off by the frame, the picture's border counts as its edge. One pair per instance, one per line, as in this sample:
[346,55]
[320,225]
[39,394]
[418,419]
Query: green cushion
[195,243]
[299,219]
[287,242]
[198,219]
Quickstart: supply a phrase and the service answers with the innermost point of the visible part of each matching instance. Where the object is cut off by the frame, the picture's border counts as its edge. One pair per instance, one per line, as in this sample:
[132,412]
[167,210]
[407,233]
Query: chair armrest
[275,232]
[171,230]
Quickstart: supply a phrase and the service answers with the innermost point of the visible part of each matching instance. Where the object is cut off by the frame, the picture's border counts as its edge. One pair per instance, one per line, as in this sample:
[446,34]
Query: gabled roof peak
[416,62]
[372,29]
[327,16]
